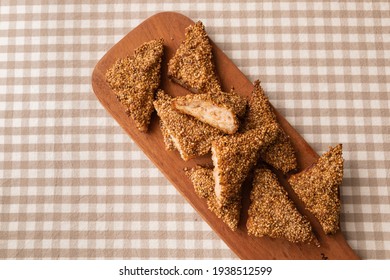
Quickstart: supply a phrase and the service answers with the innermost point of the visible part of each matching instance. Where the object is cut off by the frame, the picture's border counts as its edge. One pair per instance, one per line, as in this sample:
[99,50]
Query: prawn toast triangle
[233,158]
[192,65]
[318,188]
[280,154]
[135,79]
[203,182]
[271,212]
[221,110]
[191,137]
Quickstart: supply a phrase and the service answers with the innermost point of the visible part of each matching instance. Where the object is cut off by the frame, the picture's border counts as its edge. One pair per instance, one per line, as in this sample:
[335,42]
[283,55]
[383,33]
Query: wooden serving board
[171,27]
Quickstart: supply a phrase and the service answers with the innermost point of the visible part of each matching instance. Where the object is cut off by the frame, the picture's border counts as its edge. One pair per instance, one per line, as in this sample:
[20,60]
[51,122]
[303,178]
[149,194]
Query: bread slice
[233,158]
[192,65]
[272,213]
[203,182]
[318,188]
[135,79]
[191,137]
[280,154]
[221,110]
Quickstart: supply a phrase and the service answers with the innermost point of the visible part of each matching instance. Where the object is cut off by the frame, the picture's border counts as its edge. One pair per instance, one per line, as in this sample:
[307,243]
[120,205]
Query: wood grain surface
[171,27]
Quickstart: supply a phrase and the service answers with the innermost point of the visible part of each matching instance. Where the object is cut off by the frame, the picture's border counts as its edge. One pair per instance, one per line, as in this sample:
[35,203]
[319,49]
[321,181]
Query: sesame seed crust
[272,213]
[281,154]
[192,65]
[169,143]
[139,106]
[234,156]
[191,137]
[229,213]
[135,79]
[221,110]
[318,188]
[203,182]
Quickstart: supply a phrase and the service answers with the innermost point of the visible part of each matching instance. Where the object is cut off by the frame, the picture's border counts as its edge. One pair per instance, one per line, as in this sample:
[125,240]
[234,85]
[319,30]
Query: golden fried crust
[139,106]
[229,213]
[259,112]
[271,212]
[169,144]
[221,110]
[233,158]
[191,137]
[135,79]
[280,154]
[203,182]
[318,188]
[192,65]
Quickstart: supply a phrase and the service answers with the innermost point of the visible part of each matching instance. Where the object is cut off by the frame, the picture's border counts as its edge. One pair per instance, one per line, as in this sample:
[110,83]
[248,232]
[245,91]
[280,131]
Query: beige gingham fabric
[73,185]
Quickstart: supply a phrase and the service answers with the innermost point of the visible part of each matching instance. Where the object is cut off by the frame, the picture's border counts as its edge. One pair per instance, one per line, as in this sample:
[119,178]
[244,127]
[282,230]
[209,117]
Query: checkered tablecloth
[73,185]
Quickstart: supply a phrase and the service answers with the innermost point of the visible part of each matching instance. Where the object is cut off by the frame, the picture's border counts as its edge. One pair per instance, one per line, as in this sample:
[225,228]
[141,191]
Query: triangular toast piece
[234,156]
[192,65]
[191,137]
[280,154]
[272,213]
[135,79]
[203,182]
[318,188]
[221,110]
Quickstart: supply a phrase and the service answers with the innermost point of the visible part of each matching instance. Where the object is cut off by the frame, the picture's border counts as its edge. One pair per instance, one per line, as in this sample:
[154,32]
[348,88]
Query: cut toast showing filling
[203,182]
[318,188]
[233,158]
[135,79]
[192,65]
[280,154]
[191,137]
[272,213]
[221,110]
